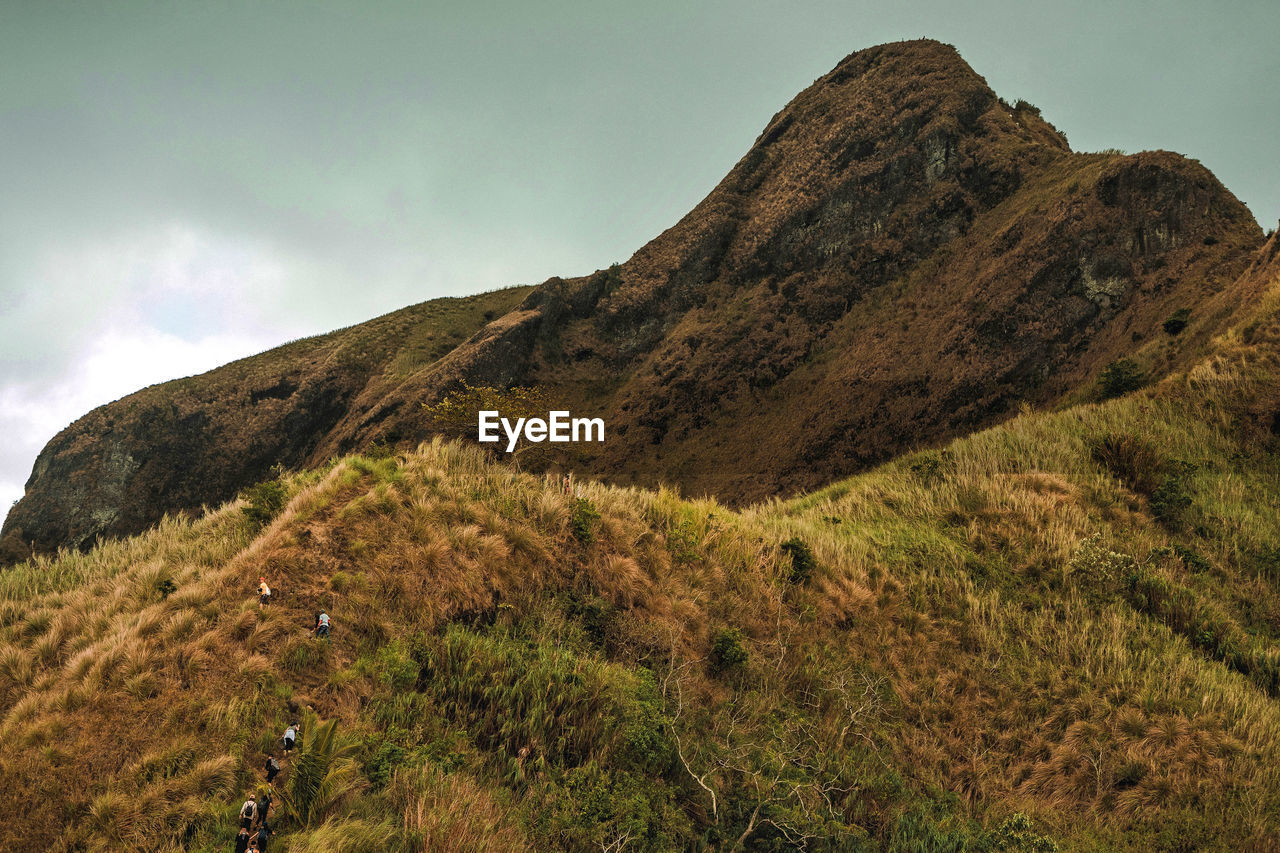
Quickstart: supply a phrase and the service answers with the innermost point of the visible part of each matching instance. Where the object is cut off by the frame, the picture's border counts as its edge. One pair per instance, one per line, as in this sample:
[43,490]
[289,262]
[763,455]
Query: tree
[324,774]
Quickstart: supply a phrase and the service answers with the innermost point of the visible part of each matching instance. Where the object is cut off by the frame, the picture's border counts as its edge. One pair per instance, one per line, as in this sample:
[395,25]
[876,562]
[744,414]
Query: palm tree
[323,774]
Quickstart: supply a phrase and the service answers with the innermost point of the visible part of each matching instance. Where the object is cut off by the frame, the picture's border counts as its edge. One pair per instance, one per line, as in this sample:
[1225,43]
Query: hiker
[290,737]
[264,593]
[321,629]
[261,838]
[264,808]
[272,767]
[242,840]
[247,811]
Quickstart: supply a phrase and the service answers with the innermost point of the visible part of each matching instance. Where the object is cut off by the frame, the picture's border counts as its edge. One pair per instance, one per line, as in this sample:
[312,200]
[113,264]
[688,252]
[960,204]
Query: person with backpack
[247,812]
[261,838]
[290,737]
[264,593]
[272,767]
[242,841]
[264,808]
[321,630]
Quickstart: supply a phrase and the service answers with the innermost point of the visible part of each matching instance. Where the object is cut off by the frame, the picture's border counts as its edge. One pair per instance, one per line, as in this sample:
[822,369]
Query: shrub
[1017,835]
[1177,321]
[265,500]
[727,651]
[1171,500]
[384,756]
[1120,377]
[1130,459]
[1098,568]
[802,560]
[929,467]
[1192,559]
[583,520]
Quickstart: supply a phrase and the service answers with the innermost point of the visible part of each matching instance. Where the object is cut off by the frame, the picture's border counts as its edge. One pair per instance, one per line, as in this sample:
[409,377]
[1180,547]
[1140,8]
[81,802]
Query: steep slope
[900,258]
[1062,630]
[197,441]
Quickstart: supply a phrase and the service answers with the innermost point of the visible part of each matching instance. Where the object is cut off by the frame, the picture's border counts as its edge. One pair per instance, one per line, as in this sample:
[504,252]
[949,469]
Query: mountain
[901,257]
[1061,633]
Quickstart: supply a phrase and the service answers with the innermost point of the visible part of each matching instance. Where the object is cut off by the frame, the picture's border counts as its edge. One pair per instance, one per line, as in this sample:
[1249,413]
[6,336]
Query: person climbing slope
[321,630]
[247,812]
[272,767]
[264,593]
[290,737]
[264,809]
[242,840]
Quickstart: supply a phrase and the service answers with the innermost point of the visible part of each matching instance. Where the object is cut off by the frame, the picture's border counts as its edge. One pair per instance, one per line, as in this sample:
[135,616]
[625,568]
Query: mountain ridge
[896,206]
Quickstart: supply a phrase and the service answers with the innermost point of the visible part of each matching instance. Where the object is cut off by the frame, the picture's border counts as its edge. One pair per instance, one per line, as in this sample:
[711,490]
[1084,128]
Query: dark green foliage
[1120,377]
[929,467]
[583,520]
[802,560]
[321,774]
[383,754]
[166,587]
[599,807]
[1172,498]
[1192,559]
[1017,835]
[265,500]
[1177,321]
[727,651]
[682,542]
[1266,563]
[1130,459]
[595,614]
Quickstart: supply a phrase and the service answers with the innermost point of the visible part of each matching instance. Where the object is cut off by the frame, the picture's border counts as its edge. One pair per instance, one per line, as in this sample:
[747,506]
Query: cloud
[114,316]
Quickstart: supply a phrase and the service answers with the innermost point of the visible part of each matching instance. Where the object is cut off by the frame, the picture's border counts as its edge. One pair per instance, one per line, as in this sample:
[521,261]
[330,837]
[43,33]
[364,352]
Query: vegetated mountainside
[900,258]
[197,441]
[1064,630]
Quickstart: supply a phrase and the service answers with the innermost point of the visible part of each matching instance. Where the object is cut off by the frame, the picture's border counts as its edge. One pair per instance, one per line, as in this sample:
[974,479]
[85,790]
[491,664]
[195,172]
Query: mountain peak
[900,257]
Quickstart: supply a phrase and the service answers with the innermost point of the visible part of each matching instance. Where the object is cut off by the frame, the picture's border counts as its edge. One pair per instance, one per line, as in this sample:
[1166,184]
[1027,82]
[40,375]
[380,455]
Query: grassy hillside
[1061,631]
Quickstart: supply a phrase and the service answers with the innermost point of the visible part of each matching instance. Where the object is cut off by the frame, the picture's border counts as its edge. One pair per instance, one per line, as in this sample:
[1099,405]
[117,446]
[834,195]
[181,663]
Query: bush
[583,520]
[1171,500]
[265,500]
[1130,459]
[727,651]
[1120,377]
[802,560]
[1177,321]
[1017,835]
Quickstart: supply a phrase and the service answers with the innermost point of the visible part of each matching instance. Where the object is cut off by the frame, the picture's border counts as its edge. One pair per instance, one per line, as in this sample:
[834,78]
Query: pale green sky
[186,183]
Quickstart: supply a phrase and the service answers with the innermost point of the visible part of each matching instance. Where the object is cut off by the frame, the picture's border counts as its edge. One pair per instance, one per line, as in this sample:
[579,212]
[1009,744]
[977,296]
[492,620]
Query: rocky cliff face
[900,257]
[197,441]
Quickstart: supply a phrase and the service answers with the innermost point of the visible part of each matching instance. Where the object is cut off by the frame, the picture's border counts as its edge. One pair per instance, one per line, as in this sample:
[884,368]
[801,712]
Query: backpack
[248,808]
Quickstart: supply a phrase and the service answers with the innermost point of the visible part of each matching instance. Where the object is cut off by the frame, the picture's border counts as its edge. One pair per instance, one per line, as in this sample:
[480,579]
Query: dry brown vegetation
[1003,639]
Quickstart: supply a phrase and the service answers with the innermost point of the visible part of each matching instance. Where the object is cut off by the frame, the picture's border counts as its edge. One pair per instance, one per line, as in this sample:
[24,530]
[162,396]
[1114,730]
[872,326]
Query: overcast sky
[183,184]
